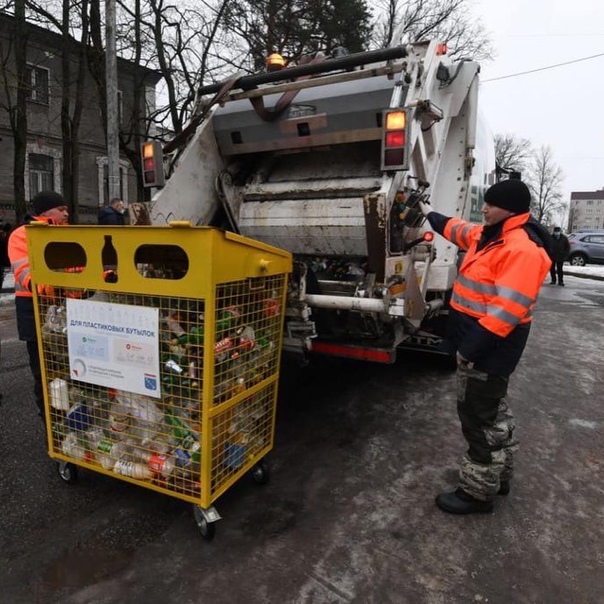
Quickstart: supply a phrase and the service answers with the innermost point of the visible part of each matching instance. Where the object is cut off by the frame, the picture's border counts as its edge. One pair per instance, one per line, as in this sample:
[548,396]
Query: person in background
[561,251]
[4,260]
[113,214]
[49,207]
[491,310]
[5,230]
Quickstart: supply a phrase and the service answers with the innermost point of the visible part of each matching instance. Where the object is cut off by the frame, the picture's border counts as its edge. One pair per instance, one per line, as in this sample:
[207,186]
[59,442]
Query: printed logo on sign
[150,382]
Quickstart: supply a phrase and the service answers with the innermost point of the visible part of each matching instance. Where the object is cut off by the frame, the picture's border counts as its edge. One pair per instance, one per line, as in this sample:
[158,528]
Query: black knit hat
[511,194]
[47,200]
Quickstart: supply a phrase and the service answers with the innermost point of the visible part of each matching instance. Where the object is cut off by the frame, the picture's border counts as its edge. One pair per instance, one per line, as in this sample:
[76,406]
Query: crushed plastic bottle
[55,320]
[71,447]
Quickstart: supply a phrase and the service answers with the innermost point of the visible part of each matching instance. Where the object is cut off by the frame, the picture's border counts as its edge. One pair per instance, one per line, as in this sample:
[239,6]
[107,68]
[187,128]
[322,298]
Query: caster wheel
[68,472]
[206,529]
[260,472]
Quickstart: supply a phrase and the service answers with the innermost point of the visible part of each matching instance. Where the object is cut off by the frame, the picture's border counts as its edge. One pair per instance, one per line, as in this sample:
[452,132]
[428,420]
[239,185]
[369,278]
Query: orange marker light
[396,120]
[148,150]
[428,236]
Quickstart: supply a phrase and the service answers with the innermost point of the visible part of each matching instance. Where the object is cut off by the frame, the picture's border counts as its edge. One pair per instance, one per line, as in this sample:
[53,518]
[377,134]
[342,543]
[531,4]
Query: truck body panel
[299,165]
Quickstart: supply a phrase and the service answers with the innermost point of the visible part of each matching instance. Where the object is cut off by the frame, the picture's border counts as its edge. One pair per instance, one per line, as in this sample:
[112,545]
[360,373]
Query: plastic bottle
[187,463]
[109,453]
[133,469]
[184,437]
[161,464]
[78,417]
[158,463]
[195,336]
[59,394]
[72,448]
[272,306]
[174,326]
[119,419]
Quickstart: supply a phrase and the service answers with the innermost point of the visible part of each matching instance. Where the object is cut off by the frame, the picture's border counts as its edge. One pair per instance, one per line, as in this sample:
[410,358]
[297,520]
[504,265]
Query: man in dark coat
[490,315]
[49,207]
[113,214]
[561,250]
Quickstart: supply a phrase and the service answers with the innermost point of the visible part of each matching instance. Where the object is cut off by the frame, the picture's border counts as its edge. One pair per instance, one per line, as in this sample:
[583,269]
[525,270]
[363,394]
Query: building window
[41,173]
[103,180]
[120,107]
[106,183]
[38,78]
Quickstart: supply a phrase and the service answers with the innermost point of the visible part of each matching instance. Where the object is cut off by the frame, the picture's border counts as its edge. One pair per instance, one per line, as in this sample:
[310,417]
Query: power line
[514,75]
[578,35]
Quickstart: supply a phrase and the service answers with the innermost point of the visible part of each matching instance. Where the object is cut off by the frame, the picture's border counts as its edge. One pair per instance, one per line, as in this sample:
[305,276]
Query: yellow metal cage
[160,351]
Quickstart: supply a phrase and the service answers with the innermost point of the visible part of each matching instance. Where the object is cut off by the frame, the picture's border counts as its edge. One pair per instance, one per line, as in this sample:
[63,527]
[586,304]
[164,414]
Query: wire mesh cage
[160,361]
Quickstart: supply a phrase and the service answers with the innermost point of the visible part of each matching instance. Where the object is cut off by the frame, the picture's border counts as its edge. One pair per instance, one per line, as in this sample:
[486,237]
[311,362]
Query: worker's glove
[463,363]
[424,208]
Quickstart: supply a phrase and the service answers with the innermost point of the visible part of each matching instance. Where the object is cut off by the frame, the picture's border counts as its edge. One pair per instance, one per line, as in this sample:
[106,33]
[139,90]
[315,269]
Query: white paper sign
[114,345]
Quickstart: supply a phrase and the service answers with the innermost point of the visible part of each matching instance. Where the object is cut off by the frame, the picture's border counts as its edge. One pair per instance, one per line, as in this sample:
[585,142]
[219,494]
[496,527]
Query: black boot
[504,487]
[459,502]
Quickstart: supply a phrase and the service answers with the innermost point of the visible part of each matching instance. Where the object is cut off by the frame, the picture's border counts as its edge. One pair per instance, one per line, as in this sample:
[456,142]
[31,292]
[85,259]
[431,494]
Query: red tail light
[395,139]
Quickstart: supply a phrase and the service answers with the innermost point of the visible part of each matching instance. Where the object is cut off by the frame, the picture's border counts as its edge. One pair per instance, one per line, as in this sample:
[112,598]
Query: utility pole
[113,147]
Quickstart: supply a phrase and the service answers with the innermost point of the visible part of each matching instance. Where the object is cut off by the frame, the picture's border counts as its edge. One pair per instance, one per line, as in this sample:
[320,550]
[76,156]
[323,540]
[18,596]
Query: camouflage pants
[488,427]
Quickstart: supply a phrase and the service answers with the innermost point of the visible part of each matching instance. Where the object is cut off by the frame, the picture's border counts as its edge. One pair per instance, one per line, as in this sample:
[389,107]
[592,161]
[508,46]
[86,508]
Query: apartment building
[586,210]
[43,165]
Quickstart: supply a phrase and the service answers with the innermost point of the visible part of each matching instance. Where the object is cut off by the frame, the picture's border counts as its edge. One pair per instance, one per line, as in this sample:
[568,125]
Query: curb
[584,276]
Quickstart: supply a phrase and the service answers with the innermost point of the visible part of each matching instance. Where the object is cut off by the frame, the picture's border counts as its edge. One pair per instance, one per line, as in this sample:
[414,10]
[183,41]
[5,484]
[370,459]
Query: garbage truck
[328,159]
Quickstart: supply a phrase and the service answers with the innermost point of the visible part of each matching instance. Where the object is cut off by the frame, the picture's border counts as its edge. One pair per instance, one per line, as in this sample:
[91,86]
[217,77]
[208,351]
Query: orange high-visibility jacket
[499,284]
[18,255]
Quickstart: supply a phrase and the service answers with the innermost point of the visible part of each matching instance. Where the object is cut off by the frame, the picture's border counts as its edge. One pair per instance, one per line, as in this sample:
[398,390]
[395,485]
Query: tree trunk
[19,124]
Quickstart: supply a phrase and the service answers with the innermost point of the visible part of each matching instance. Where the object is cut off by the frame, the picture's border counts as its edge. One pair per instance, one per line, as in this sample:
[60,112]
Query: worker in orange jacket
[490,315]
[49,207]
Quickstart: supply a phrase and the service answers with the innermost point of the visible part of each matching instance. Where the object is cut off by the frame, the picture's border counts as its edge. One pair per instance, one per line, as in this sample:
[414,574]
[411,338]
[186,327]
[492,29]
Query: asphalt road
[349,516]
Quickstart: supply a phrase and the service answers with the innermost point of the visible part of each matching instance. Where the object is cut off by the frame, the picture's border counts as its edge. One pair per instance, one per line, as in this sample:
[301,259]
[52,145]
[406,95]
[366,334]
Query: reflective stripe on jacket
[498,284]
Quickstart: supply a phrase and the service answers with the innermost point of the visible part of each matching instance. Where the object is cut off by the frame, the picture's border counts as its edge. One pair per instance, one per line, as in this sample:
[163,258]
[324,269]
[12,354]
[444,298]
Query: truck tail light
[394,140]
[152,164]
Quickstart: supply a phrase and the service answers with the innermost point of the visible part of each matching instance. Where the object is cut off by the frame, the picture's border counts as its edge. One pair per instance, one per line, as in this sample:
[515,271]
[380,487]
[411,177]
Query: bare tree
[68,17]
[545,180]
[181,41]
[295,28]
[13,71]
[448,20]
[512,154]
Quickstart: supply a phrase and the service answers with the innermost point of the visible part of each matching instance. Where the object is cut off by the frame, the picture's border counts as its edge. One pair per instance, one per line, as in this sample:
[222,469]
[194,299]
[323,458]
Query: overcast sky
[561,107]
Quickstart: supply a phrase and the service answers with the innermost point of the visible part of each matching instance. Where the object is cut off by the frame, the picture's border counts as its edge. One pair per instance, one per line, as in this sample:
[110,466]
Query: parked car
[586,247]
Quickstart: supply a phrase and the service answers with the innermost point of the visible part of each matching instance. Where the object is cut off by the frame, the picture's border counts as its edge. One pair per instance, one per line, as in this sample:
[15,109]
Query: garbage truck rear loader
[329,160]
